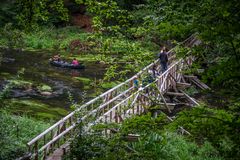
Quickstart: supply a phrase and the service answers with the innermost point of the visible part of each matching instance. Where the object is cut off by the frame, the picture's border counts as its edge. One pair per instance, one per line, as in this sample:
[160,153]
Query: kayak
[66,65]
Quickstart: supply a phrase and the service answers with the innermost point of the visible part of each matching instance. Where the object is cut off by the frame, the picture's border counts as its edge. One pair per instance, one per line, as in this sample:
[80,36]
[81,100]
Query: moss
[108,85]
[84,80]
[86,87]
[44,88]
[35,109]
[21,84]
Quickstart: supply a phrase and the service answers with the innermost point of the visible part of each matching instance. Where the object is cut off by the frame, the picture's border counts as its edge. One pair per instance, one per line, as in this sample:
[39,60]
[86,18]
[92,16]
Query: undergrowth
[152,143]
[15,132]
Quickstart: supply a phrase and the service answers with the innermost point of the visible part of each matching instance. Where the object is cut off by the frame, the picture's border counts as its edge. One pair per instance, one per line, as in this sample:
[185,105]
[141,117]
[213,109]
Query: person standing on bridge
[135,82]
[163,58]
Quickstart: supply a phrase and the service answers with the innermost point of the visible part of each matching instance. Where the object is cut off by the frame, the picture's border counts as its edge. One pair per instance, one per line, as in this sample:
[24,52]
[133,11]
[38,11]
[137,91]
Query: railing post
[63,129]
[58,132]
[105,121]
[51,146]
[29,148]
[116,116]
[36,150]
[111,116]
[45,153]
[70,123]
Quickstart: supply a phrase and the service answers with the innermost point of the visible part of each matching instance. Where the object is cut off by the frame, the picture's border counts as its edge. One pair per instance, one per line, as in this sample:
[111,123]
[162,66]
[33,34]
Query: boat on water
[66,65]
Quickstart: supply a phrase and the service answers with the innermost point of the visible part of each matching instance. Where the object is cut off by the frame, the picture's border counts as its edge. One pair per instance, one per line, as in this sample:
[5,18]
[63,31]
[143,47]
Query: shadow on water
[61,80]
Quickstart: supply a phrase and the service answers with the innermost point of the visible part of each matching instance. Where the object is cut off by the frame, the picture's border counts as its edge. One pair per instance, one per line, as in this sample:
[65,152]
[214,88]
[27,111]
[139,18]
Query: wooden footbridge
[118,103]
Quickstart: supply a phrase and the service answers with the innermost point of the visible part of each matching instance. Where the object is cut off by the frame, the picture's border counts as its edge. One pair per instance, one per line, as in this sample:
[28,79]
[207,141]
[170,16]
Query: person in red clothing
[75,62]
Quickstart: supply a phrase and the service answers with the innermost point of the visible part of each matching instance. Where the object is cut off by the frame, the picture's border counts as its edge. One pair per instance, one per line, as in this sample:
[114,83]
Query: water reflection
[75,73]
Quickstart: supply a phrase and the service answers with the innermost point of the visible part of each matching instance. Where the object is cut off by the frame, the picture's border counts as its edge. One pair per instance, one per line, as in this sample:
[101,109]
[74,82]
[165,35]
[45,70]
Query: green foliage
[15,132]
[88,146]
[224,73]
[108,85]
[108,17]
[131,57]
[144,124]
[12,38]
[216,23]
[172,146]
[191,91]
[151,144]
[111,73]
[49,38]
[34,13]
[7,12]
[217,126]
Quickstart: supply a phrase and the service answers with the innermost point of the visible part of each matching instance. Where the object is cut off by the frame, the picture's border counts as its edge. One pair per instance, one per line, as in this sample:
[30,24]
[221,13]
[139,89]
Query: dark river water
[62,80]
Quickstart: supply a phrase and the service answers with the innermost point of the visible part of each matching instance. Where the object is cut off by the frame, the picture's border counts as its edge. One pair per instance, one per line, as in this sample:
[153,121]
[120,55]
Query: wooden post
[133,110]
[190,98]
[44,139]
[63,129]
[45,153]
[51,146]
[164,101]
[58,132]
[138,112]
[116,115]
[111,116]
[36,150]
[70,123]
[29,149]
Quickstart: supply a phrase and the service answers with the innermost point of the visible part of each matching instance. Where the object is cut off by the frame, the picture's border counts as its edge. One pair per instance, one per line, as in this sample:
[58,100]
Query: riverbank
[125,55]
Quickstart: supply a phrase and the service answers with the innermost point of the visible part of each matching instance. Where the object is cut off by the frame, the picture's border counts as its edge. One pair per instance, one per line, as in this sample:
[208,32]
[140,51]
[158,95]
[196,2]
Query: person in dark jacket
[163,58]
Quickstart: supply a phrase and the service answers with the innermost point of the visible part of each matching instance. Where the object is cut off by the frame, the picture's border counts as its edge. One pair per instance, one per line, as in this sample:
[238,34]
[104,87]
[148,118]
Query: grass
[49,38]
[52,38]
[15,132]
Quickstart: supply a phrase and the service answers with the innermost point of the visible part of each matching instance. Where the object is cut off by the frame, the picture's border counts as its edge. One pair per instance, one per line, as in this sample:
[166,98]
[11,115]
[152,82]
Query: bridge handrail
[114,108]
[145,87]
[70,115]
[132,95]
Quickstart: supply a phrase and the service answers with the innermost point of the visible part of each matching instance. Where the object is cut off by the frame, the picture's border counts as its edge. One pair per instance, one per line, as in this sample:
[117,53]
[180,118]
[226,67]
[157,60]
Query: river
[62,81]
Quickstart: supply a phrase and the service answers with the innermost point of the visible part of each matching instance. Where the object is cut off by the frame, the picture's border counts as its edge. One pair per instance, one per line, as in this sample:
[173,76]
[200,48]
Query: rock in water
[46,93]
